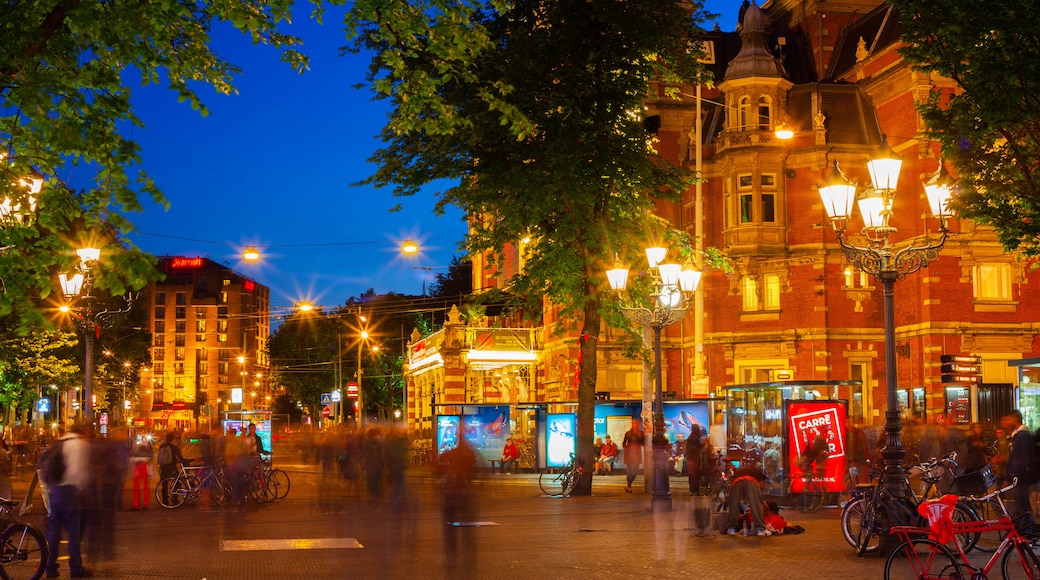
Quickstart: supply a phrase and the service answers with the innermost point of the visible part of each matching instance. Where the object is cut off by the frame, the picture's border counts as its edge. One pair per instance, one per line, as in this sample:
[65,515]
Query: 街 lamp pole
[877,257]
[672,289]
[81,304]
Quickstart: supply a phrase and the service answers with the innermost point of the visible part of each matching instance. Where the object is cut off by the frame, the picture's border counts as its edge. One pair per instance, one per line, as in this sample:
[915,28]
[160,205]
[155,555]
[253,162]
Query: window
[226,282]
[178,354]
[771,291]
[160,298]
[223,354]
[181,312]
[859,406]
[221,337]
[200,313]
[744,113]
[222,311]
[765,112]
[160,326]
[160,312]
[179,326]
[178,340]
[768,208]
[223,298]
[222,368]
[749,289]
[222,325]
[203,368]
[178,368]
[200,325]
[222,379]
[992,281]
[181,298]
[854,281]
[158,354]
[158,368]
[158,340]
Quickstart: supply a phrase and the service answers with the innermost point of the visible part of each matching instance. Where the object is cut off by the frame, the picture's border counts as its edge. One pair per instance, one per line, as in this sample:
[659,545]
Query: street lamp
[81,304]
[672,289]
[877,257]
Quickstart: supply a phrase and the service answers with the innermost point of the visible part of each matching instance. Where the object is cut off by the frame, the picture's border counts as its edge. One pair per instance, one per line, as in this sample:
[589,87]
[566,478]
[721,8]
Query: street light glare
[251,254]
[409,247]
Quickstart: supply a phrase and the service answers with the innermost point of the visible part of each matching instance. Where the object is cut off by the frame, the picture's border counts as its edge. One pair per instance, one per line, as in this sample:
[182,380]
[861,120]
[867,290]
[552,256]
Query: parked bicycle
[872,505]
[190,483]
[561,481]
[920,556]
[23,547]
[811,496]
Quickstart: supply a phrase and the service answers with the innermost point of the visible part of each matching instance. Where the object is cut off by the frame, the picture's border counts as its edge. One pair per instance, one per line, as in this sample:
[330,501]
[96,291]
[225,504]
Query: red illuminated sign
[822,422]
[186,263]
[249,285]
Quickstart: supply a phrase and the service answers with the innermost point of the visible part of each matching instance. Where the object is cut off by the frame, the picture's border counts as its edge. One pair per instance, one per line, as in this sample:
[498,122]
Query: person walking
[66,473]
[140,464]
[633,446]
[1020,454]
[692,451]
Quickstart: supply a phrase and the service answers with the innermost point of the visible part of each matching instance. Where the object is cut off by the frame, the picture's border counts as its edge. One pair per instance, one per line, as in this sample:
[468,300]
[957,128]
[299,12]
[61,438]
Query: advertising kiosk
[779,427]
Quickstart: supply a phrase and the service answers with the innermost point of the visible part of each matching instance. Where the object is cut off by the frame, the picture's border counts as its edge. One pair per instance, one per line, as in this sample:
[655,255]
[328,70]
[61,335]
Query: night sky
[272,167]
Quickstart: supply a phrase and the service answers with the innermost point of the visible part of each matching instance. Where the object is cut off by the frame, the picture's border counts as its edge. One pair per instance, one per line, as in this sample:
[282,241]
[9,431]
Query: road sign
[352,390]
[326,411]
[326,398]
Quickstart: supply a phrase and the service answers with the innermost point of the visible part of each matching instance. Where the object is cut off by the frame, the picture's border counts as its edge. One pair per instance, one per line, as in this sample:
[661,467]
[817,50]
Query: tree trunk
[588,342]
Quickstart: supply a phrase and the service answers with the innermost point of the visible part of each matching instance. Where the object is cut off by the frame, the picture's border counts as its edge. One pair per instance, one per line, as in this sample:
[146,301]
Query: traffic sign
[352,390]
[326,398]
[326,411]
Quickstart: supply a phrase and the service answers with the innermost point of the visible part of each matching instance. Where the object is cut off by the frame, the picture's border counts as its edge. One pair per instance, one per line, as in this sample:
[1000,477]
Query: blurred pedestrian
[140,466]
[977,445]
[633,446]
[396,464]
[746,496]
[693,451]
[6,468]
[108,462]
[1020,455]
[66,473]
[456,469]
[374,462]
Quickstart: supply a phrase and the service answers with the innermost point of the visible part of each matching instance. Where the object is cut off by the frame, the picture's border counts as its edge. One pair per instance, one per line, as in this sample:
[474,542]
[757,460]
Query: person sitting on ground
[607,457]
[510,454]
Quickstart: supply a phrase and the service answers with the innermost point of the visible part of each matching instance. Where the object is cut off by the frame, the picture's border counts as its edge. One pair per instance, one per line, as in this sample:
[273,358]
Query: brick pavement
[608,535]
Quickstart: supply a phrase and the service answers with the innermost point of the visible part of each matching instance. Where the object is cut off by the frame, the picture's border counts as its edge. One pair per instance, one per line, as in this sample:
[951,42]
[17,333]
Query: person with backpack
[65,471]
[168,457]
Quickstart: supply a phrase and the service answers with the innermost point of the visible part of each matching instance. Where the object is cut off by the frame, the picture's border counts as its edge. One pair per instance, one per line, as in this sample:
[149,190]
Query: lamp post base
[661,498]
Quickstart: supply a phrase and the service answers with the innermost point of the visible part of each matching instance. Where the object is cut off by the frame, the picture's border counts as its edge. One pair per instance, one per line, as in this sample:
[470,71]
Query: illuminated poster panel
[447,433]
[812,423]
[486,430]
[679,419]
[559,438]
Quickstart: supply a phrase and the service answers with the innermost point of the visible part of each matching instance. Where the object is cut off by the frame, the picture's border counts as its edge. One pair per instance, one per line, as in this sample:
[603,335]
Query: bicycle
[560,482]
[872,504]
[810,499]
[188,485]
[924,558]
[23,547]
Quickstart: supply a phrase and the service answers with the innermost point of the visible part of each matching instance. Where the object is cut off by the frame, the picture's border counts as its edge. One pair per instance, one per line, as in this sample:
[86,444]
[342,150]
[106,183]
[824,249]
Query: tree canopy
[989,126]
[534,114]
[66,71]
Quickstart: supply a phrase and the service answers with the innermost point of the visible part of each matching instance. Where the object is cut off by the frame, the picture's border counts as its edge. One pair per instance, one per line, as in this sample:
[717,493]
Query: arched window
[765,113]
[744,113]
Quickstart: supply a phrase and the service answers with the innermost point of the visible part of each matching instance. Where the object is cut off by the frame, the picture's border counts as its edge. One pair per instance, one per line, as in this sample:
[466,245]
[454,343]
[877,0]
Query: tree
[456,282]
[989,123]
[27,364]
[66,71]
[533,117]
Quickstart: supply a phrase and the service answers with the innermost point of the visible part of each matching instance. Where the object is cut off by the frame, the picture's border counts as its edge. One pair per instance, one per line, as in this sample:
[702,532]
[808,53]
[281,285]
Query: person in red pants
[140,462]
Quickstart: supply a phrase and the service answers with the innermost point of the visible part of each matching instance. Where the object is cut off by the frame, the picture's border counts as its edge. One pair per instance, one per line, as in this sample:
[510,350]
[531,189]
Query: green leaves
[991,136]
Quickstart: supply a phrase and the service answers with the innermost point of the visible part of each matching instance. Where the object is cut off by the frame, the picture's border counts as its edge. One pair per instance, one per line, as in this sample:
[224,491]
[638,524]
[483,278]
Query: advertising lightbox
[811,424]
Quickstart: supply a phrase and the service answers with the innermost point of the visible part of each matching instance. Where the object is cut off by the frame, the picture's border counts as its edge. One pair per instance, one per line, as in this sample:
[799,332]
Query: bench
[496,464]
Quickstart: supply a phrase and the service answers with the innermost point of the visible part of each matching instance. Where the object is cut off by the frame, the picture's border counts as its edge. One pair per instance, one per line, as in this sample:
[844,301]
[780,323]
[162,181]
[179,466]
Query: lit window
[200,325]
[750,292]
[765,112]
[744,113]
[771,291]
[992,281]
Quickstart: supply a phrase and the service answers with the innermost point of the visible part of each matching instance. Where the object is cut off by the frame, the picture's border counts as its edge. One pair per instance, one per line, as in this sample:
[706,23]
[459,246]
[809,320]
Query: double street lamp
[89,316]
[876,256]
[671,292]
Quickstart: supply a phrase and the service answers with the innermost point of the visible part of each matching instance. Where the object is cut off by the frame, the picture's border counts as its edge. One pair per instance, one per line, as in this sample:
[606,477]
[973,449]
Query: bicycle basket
[976,481]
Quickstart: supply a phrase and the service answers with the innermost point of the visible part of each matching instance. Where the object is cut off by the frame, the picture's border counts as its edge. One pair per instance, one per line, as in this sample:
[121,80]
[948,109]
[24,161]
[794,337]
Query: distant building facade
[210,327]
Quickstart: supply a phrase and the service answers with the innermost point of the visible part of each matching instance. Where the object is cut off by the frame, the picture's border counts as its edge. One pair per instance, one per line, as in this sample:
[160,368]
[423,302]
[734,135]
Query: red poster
[813,425]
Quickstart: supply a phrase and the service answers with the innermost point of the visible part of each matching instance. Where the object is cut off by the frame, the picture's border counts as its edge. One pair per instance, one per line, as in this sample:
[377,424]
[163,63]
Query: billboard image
[486,430]
[447,433]
[559,438]
[811,426]
[680,418]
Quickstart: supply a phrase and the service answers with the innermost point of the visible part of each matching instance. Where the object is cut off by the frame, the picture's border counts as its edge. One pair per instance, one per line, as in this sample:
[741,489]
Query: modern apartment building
[210,327]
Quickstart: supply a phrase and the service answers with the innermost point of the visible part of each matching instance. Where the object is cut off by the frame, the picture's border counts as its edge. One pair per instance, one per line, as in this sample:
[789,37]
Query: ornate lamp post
[81,303]
[672,289]
[887,264]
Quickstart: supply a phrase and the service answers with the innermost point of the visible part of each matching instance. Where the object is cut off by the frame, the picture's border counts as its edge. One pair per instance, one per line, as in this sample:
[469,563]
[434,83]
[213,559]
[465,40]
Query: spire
[755,59]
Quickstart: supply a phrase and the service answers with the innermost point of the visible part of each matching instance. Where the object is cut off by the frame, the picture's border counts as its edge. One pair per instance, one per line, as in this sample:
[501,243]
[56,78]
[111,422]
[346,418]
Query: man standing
[633,446]
[69,480]
[1020,455]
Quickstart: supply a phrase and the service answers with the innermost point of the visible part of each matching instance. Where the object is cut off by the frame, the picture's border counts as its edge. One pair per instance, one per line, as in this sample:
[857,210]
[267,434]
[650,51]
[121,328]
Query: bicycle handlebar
[1014,482]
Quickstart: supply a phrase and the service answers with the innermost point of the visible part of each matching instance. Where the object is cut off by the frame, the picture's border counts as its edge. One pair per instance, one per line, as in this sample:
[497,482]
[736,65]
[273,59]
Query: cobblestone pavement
[513,531]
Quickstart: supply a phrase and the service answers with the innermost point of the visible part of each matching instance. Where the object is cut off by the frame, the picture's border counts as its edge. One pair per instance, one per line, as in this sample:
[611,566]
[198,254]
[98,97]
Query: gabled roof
[879,29]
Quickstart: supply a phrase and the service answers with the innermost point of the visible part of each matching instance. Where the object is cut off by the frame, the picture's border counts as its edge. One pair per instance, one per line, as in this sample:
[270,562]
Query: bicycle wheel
[867,537]
[175,491]
[813,495]
[1020,562]
[279,482]
[963,513]
[23,552]
[922,560]
[221,489]
[570,479]
[852,520]
[551,481]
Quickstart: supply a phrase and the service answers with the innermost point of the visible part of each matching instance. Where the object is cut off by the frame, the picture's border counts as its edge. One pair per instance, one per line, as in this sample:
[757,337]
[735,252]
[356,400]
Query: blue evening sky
[272,167]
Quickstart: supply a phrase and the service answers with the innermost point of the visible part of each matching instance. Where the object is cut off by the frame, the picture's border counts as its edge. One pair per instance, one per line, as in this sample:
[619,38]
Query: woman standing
[694,447]
[633,445]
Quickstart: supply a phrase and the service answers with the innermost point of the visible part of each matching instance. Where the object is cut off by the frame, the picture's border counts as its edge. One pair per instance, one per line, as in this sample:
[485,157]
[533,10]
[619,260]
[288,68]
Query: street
[512,532]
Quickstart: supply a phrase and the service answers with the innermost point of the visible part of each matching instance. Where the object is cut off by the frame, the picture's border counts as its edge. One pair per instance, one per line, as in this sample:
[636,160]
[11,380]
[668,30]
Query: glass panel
[745,209]
[768,208]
